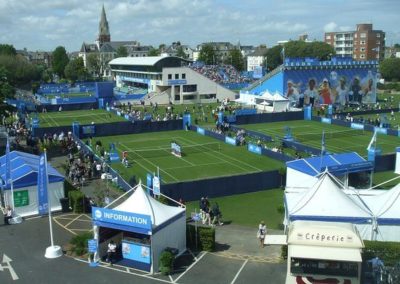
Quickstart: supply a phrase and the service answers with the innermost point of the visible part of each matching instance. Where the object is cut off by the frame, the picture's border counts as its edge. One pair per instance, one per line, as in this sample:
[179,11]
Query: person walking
[262,231]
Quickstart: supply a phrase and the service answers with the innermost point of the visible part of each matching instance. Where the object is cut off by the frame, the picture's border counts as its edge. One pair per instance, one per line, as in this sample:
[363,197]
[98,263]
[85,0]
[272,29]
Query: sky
[46,24]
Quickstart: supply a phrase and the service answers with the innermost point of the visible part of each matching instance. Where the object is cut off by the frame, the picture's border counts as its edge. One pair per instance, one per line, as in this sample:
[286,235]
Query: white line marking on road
[8,260]
[240,270]
[196,261]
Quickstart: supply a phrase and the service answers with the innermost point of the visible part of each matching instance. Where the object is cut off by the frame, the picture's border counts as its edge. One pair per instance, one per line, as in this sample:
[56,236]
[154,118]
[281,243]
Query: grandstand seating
[221,74]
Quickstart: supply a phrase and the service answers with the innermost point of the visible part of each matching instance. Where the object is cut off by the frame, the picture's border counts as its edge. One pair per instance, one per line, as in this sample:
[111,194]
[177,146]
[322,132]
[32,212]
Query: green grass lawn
[385,117]
[65,118]
[378,178]
[248,209]
[338,139]
[203,157]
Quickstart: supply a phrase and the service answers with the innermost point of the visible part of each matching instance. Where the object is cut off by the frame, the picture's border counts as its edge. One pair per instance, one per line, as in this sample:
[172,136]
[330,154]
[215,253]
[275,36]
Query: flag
[283,52]
[42,185]
[323,146]
[372,143]
[8,163]
[156,185]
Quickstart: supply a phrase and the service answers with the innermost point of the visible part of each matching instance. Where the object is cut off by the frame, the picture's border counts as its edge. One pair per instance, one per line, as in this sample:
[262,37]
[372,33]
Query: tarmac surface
[238,257]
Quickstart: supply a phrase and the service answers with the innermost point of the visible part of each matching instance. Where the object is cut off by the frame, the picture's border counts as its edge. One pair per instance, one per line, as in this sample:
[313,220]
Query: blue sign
[92,246]
[149,181]
[200,130]
[156,185]
[326,120]
[121,218]
[357,126]
[126,116]
[176,82]
[89,129]
[230,140]
[136,251]
[42,186]
[254,149]
[381,130]
[114,157]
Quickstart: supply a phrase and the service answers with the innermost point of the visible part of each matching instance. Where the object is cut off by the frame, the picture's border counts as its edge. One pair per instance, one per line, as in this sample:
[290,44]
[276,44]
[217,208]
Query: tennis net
[329,135]
[166,151]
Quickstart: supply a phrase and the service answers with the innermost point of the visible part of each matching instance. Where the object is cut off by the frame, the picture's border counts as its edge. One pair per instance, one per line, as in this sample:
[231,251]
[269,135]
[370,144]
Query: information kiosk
[323,252]
[141,227]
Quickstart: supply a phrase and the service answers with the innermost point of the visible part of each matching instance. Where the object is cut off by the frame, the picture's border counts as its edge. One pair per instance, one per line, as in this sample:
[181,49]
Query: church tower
[104,31]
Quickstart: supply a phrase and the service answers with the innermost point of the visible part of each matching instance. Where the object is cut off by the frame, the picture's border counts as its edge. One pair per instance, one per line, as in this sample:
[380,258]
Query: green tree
[154,52]
[93,64]
[235,58]
[7,49]
[274,57]
[207,54]
[75,70]
[316,49]
[122,51]
[390,69]
[60,61]
[6,90]
[180,52]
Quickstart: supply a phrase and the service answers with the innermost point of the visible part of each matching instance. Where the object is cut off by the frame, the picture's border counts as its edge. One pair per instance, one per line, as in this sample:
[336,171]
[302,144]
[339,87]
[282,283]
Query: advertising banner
[135,251]
[42,186]
[121,218]
[21,198]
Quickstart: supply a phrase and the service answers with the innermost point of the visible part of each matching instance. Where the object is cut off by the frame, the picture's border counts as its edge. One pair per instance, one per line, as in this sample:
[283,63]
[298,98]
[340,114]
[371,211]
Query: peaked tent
[168,225]
[24,174]
[306,171]
[326,201]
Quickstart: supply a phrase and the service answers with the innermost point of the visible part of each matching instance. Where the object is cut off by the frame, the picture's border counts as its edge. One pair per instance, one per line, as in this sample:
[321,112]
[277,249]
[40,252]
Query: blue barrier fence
[276,155]
[269,117]
[301,147]
[385,162]
[222,186]
[253,134]
[80,106]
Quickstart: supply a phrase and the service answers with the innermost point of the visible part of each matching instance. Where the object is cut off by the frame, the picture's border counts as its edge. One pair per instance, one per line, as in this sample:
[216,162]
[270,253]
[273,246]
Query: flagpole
[52,251]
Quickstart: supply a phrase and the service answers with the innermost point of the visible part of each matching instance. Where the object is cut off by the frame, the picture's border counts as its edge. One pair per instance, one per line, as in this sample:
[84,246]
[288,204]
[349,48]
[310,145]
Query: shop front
[323,252]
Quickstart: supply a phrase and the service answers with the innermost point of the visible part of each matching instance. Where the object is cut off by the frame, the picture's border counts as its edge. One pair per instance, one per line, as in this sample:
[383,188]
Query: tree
[207,54]
[7,49]
[122,51]
[316,49]
[180,52]
[6,90]
[161,48]
[93,64]
[235,58]
[75,70]
[390,69]
[154,52]
[396,45]
[60,61]
[274,57]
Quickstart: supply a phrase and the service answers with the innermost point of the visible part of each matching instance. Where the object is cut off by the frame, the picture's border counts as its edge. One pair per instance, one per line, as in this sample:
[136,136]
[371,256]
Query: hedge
[205,238]
[166,262]
[79,243]
[389,252]
[76,201]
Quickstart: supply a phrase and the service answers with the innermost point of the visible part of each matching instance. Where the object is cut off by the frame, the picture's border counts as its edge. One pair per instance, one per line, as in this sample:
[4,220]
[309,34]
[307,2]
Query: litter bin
[64,205]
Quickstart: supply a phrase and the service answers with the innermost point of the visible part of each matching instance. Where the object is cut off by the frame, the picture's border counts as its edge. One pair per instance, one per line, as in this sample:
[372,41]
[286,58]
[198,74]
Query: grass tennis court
[203,157]
[338,139]
[65,118]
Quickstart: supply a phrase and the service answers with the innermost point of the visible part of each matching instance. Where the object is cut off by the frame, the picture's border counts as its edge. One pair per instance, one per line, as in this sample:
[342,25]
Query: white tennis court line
[181,158]
[198,165]
[55,122]
[190,267]
[174,178]
[226,156]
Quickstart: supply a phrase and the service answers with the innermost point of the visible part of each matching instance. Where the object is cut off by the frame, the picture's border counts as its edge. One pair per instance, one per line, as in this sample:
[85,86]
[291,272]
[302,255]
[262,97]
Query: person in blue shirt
[377,266]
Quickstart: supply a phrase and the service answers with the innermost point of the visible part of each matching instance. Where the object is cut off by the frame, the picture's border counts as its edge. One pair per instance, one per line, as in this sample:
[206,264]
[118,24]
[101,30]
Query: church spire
[104,31]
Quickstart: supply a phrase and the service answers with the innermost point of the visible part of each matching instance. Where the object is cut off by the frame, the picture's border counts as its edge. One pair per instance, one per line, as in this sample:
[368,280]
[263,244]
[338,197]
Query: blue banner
[136,251]
[230,140]
[326,120]
[92,246]
[121,218]
[42,186]
[200,131]
[357,126]
[149,181]
[381,130]
[156,185]
[254,148]
[8,163]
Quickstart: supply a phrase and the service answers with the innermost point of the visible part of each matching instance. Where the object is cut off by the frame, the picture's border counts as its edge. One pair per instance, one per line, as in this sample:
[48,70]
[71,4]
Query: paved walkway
[232,241]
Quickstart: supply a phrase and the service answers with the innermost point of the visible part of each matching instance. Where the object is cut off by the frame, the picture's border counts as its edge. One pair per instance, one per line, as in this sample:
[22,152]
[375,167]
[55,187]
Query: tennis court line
[129,149]
[199,165]
[228,157]
[181,158]
[55,122]
[45,120]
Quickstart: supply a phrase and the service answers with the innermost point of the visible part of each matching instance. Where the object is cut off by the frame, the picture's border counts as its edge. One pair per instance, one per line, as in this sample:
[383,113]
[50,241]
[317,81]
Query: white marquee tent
[375,213]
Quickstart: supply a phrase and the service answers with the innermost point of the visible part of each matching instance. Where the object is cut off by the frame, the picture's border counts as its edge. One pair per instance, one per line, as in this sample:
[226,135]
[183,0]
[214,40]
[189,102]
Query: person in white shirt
[111,250]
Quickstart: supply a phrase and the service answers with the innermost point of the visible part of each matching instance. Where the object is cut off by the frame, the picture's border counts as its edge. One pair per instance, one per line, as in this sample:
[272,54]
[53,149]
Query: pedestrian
[7,215]
[112,248]
[262,231]
[377,267]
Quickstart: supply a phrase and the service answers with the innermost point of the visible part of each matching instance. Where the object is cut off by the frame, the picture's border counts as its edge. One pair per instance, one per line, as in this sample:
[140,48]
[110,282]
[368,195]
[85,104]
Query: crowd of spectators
[221,73]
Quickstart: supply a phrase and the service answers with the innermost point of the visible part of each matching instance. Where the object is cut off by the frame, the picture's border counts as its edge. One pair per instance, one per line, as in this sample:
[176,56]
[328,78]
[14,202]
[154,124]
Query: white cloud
[330,27]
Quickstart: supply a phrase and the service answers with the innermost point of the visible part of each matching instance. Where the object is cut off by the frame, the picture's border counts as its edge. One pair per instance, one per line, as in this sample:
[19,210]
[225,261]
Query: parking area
[22,249]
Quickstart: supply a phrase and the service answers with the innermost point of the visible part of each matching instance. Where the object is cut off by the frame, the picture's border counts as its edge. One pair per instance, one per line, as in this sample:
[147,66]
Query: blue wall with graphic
[273,84]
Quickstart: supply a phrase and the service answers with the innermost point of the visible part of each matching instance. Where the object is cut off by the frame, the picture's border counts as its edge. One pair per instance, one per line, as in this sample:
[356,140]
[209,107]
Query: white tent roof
[325,199]
[140,202]
[272,97]
[388,202]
